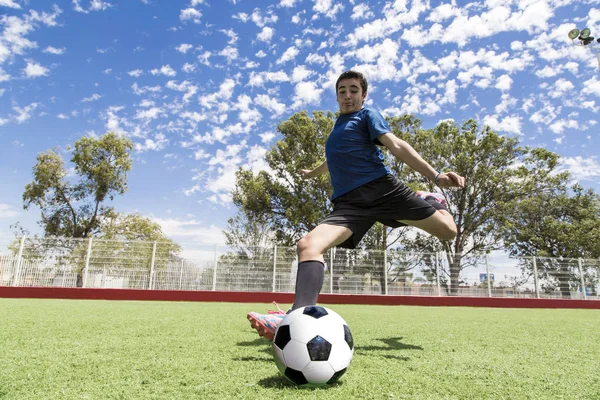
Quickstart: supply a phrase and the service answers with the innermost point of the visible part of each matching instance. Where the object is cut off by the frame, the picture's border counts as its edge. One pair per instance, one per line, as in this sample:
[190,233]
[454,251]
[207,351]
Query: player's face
[350,96]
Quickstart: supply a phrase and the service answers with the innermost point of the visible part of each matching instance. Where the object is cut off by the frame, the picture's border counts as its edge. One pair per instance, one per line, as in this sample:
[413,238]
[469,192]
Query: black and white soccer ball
[313,346]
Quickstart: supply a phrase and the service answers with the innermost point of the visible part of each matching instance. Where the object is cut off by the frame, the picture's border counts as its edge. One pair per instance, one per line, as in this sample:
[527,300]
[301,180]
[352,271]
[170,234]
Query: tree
[74,209]
[498,172]
[560,222]
[291,205]
[136,241]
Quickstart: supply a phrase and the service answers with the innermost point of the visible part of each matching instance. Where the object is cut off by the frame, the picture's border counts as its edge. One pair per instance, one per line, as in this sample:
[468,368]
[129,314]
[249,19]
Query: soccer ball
[313,346]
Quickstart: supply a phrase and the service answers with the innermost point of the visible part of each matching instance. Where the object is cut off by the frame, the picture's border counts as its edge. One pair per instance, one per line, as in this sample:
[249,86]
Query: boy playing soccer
[364,192]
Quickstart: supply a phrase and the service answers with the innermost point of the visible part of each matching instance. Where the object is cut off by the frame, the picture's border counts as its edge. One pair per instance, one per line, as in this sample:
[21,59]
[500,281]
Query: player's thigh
[440,224]
[323,237]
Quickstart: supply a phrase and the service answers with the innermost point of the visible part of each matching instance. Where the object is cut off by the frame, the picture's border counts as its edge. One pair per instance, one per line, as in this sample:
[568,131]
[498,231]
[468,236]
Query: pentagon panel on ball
[313,346]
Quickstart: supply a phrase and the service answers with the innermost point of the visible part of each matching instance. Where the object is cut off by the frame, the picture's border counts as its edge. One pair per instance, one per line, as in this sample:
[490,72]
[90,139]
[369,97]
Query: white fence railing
[96,263]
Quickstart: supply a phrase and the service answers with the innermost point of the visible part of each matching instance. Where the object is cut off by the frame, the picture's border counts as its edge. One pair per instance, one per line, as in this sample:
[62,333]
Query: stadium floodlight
[585,33]
[573,34]
[585,39]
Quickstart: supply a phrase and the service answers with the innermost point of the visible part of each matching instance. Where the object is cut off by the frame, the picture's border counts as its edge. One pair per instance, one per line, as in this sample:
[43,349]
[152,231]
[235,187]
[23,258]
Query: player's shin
[309,280]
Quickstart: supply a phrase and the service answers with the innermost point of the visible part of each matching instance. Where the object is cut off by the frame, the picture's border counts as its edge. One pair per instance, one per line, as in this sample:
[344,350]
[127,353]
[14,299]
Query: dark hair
[350,75]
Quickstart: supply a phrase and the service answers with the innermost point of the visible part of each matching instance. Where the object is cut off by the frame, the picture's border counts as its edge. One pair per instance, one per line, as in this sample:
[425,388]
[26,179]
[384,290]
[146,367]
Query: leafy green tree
[74,209]
[251,238]
[560,222]
[497,169]
[498,172]
[291,205]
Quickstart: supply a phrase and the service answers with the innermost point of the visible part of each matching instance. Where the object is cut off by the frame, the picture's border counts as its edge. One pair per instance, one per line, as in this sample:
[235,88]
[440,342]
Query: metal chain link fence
[97,263]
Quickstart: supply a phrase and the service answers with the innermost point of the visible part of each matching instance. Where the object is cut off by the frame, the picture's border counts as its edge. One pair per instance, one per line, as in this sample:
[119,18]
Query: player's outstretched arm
[405,153]
[320,170]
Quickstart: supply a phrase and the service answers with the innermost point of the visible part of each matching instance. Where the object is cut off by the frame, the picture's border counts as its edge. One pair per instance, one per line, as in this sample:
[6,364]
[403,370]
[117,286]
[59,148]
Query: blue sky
[200,86]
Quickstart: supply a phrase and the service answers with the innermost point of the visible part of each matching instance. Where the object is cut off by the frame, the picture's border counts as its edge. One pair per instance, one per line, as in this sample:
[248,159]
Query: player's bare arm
[320,170]
[405,153]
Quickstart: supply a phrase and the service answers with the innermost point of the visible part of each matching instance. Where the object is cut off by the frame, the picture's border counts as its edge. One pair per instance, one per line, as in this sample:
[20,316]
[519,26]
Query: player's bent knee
[447,232]
[304,245]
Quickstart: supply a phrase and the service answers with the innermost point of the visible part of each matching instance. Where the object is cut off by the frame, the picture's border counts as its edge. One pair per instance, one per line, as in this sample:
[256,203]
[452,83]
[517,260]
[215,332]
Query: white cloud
[271,104]
[7,211]
[149,114]
[267,137]
[289,55]
[443,12]
[190,14]
[306,93]
[34,70]
[581,169]
[93,97]
[504,83]
[300,73]
[327,7]
[194,230]
[24,113]
[592,86]
[361,11]
[188,68]
[164,70]
[287,3]
[136,73]
[266,34]
[158,143]
[184,47]
[560,125]
[560,88]
[230,53]
[507,124]
[95,5]
[54,50]
[9,4]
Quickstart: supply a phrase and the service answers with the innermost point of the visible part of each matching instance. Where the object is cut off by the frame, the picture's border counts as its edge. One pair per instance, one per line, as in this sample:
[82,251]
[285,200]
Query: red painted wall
[268,297]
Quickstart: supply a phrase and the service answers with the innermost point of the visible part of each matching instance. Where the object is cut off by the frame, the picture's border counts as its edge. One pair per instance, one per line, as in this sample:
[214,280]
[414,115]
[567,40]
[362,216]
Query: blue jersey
[353,157]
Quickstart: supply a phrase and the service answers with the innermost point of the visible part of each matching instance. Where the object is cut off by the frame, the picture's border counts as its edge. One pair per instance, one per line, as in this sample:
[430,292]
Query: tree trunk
[79,282]
[454,265]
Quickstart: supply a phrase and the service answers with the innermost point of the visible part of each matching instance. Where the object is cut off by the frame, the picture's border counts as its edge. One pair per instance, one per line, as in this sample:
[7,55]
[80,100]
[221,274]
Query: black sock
[309,280]
[435,204]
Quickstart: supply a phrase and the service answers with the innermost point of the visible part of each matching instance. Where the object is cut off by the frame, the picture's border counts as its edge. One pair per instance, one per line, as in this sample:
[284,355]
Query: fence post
[580,263]
[488,277]
[385,280]
[215,269]
[331,257]
[87,262]
[181,273]
[437,273]
[19,262]
[274,266]
[536,282]
[152,266]
[103,281]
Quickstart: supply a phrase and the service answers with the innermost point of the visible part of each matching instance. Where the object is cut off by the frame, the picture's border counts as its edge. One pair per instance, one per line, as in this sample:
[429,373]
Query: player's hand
[451,179]
[305,173]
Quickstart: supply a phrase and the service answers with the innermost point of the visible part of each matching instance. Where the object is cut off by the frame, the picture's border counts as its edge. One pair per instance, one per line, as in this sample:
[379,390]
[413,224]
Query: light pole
[585,39]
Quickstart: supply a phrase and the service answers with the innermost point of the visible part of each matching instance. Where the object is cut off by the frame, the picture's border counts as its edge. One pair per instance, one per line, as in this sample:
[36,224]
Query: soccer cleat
[266,324]
[436,196]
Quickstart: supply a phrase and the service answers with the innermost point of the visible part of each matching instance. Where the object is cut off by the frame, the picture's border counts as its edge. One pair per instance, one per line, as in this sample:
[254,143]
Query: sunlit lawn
[71,349]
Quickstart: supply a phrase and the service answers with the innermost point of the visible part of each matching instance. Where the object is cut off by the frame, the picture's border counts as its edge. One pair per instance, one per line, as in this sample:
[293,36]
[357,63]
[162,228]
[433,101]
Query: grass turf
[70,349]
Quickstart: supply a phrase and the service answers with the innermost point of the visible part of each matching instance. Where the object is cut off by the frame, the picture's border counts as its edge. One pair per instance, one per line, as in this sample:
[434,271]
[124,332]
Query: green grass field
[70,349]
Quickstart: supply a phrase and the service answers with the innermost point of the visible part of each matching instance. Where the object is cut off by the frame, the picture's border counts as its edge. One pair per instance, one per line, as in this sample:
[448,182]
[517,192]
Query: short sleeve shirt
[353,157]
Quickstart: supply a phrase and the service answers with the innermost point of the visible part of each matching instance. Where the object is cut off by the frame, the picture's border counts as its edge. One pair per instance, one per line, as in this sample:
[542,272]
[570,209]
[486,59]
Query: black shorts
[384,200]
